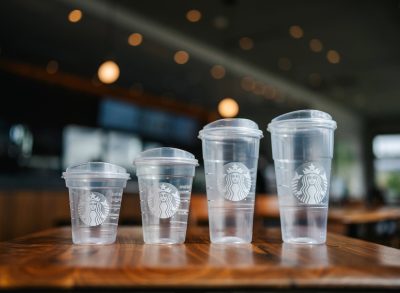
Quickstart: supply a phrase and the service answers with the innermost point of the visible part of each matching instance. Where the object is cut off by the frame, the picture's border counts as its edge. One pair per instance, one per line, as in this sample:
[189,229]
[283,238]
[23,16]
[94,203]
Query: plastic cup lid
[165,156]
[96,170]
[228,127]
[302,119]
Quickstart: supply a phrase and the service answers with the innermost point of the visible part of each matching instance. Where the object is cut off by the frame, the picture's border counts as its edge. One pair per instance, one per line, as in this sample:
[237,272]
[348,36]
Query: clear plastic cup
[230,153]
[165,183]
[302,148]
[95,194]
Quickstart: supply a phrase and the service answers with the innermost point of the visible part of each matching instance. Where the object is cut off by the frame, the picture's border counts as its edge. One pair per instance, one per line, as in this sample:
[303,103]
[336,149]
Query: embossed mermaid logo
[165,202]
[236,182]
[310,184]
[93,209]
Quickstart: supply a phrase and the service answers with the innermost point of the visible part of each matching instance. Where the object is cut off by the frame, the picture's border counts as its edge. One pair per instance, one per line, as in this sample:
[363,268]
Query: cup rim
[185,158]
[318,119]
[224,131]
[165,161]
[71,174]
[95,175]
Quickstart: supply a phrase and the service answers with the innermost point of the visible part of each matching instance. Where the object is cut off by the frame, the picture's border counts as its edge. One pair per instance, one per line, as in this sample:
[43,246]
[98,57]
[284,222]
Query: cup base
[229,239]
[94,236]
[303,240]
[164,241]
[93,242]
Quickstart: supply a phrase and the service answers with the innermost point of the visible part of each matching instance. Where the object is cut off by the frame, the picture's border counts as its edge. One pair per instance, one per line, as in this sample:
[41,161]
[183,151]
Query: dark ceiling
[365,33]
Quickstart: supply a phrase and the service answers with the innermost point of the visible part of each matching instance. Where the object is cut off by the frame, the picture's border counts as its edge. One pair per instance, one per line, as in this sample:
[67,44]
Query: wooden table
[49,260]
[363,215]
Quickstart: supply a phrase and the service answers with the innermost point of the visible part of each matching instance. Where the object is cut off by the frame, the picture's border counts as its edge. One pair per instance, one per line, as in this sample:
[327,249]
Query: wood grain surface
[364,215]
[49,260]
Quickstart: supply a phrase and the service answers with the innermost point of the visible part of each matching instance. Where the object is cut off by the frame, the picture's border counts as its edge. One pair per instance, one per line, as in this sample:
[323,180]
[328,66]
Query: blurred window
[119,115]
[149,123]
[387,146]
[386,149]
[83,144]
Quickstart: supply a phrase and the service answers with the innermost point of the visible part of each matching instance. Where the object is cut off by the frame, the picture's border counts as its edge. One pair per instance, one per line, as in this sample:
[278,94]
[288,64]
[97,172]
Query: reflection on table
[49,259]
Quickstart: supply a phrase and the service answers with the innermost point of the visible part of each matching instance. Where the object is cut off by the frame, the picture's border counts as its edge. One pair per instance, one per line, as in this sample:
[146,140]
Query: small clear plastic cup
[165,178]
[230,153]
[95,194]
[302,148]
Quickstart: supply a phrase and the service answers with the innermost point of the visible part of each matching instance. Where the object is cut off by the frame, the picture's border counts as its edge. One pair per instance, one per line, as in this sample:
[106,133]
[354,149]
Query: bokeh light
[333,56]
[193,15]
[296,31]
[181,57]
[228,107]
[135,39]
[217,71]
[75,15]
[108,72]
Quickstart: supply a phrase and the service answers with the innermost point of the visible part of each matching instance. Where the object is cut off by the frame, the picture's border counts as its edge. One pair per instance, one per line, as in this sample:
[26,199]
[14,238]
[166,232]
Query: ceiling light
[296,31]
[284,64]
[181,57]
[193,15]
[228,107]
[75,15]
[108,72]
[316,45]
[333,56]
[217,71]
[52,67]
[246,43]
[135,39]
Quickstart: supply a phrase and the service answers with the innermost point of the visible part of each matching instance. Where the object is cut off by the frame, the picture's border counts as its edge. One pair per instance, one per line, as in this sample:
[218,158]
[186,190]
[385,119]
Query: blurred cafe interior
[104,80]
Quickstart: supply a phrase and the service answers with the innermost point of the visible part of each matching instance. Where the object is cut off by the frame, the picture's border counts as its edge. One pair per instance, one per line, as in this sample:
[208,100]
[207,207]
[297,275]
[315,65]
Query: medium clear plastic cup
[95,194]
[302,148]
[230,153]
[165,183]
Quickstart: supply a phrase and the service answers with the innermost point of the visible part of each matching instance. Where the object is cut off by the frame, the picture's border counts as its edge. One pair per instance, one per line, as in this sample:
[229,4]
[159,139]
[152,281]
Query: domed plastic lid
[165,156]
[228,127]
[302,119]
[96,170]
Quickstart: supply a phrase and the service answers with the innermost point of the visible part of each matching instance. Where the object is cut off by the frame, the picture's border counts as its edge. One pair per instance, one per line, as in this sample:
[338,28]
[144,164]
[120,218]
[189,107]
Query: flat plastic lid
[96,170]
[165,156]
[302,119]
[231,126]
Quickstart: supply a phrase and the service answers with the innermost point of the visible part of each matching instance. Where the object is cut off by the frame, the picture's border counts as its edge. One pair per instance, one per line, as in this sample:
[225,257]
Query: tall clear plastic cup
[302,148]
[95,194]
[230,153]
[165,183]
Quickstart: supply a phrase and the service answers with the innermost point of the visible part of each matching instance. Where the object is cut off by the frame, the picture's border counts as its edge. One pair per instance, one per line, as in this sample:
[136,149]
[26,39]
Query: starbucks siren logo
[310,184]
[236,181]
[165,202]
[93,209]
